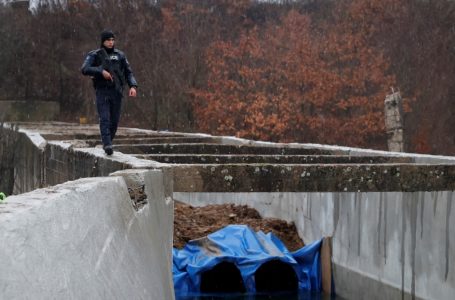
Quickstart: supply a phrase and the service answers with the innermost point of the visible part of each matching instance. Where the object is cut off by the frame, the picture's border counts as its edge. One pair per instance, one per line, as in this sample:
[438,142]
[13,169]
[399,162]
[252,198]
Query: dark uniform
[109,93]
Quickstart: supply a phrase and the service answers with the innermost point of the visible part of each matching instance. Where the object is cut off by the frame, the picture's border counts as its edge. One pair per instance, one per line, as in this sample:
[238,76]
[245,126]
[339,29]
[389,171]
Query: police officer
[109,68]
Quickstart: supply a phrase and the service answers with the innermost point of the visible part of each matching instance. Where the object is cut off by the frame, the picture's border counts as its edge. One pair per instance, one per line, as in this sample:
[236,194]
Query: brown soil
[196,222]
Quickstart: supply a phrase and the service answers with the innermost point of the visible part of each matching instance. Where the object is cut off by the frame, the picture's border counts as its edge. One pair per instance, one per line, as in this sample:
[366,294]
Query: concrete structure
[385,244]
[28,111]
[84,240]
[393,113]
[390,214]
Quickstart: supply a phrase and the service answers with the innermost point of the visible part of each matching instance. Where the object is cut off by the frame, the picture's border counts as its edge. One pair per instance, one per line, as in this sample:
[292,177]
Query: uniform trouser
[108,104]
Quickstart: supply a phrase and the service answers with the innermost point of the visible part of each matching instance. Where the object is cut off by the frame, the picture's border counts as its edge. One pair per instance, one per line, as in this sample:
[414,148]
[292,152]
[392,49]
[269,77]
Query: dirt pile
[196,222]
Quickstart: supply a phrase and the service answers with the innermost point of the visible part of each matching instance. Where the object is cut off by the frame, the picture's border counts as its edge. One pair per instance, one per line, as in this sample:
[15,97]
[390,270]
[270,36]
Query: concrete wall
[385,244]
[84,240]
[340,150]
[38,163]
[19,110]
[28,162]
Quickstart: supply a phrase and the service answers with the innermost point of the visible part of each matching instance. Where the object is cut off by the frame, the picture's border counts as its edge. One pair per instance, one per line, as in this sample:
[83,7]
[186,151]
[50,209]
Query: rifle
[106,63]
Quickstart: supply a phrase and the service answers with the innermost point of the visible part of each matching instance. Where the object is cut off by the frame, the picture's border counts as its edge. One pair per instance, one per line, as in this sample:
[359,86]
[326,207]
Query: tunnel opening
[225,277]
[275,276]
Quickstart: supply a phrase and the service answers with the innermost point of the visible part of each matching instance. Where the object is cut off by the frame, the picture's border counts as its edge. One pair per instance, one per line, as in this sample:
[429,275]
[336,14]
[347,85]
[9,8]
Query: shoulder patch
[119,52]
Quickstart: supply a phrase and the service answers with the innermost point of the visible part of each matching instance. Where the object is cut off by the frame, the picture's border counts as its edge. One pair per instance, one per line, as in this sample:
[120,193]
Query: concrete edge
[134,162]
[34,137]
[419,158]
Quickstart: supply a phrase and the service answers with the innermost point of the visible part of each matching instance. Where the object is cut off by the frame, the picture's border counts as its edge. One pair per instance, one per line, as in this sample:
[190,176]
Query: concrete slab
[84,240]
[270,159]
[95,136]
[212,149]
[312,178]
[92,142]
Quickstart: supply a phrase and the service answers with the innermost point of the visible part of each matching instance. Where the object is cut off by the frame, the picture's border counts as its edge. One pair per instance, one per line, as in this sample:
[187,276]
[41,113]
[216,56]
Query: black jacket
[117,65]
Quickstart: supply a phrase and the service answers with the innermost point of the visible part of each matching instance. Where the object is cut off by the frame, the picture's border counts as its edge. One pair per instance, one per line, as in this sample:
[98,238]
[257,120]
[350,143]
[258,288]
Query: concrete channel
[389,215]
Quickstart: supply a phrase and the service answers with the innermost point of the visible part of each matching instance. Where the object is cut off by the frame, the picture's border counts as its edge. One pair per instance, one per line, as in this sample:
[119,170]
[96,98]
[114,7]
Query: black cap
[106,34]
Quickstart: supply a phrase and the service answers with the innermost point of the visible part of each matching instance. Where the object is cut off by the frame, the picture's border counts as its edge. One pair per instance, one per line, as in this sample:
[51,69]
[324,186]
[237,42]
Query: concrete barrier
[21,110]
[385,244]
[390,214]
[84,240]
[340,150]
[39,163]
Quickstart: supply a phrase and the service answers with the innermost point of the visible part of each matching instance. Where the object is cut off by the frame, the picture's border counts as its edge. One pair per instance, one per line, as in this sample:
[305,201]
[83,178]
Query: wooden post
[326,265]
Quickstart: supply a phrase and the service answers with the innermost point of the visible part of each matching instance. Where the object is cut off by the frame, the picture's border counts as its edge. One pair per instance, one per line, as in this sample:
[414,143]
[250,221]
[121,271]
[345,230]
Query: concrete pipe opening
[223,278]
[275,276]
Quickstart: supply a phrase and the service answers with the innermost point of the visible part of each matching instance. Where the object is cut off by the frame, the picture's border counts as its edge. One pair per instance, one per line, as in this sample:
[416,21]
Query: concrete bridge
[389,214]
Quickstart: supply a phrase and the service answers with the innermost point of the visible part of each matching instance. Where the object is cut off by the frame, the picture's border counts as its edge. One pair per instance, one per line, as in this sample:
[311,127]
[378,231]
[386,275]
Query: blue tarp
[248,250]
